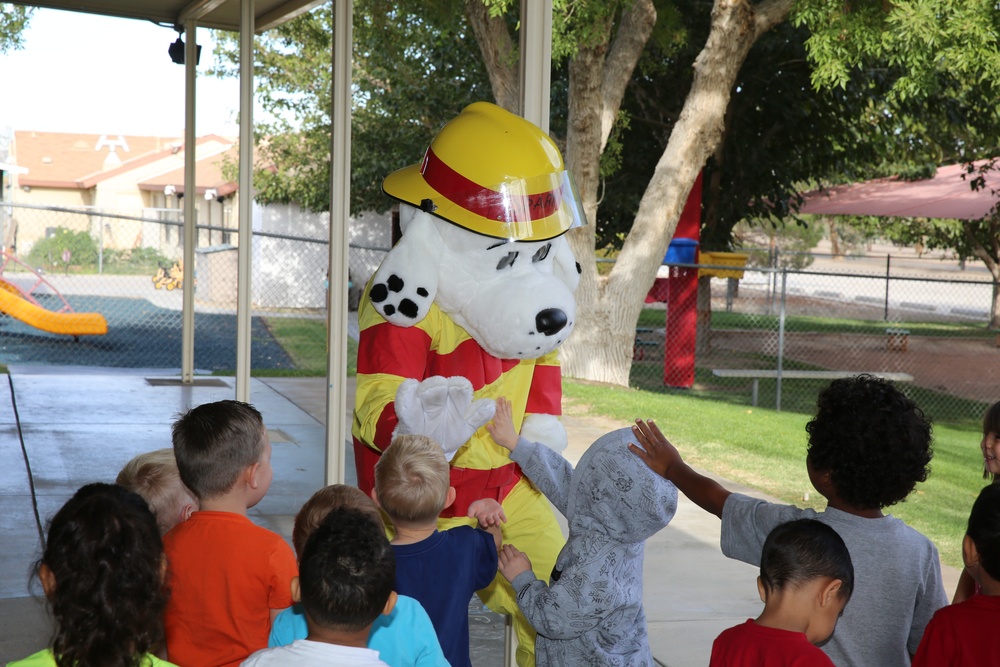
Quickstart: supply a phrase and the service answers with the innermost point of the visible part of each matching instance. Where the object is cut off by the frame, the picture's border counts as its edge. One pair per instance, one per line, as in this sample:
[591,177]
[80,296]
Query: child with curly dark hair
[868,447]
[102,572]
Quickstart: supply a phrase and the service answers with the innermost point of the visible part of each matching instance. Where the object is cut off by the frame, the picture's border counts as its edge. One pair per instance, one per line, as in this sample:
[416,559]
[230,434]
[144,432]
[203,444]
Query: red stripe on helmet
[484,202]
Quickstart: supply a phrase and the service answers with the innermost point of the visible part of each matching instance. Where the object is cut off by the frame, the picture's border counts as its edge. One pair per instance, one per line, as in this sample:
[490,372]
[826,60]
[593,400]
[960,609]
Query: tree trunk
[607,309]
[995,306]
[499,54]
[834,240]
[599,350]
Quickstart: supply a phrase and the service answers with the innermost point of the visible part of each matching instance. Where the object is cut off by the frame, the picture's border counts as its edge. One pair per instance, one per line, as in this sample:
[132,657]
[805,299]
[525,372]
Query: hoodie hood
[615,493]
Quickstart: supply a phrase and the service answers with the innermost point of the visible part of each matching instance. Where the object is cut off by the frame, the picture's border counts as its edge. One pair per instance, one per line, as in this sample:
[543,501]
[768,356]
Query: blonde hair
[412,478]
[324,501]
[154,476]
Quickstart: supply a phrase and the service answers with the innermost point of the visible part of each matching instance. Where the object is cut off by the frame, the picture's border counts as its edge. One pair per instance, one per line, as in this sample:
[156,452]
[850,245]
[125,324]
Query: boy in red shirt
[806,578]
[962,635]
[228,577]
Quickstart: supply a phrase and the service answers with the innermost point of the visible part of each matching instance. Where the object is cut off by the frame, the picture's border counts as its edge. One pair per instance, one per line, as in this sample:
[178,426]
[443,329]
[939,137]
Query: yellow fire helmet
[493,173]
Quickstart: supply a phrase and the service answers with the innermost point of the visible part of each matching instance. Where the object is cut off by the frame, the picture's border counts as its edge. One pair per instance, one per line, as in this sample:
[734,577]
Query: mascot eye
[507,261]
[542,253]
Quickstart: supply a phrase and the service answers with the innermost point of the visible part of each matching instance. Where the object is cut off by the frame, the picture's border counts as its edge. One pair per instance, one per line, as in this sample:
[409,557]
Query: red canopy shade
[946,195]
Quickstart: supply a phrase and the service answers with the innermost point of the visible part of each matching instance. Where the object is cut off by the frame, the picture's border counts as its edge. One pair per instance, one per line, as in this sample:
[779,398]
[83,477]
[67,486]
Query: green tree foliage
[13,21]
[790,126]
[918,39]
[415,67]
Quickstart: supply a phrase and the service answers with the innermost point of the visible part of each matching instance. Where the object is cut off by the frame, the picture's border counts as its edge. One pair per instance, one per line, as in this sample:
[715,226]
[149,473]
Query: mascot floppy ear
[406,302]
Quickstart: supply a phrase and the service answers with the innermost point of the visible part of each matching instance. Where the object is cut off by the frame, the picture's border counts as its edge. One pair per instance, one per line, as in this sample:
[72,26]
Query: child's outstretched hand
[502,426]
[488,512]
[512,562]
[656,450]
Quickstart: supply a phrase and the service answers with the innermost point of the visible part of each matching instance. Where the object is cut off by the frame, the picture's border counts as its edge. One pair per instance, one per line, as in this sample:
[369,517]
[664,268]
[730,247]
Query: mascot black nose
[550,321]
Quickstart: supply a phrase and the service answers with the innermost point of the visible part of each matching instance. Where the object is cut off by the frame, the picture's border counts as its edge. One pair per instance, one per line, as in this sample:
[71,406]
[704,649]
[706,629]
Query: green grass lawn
[766,450]
[304,340]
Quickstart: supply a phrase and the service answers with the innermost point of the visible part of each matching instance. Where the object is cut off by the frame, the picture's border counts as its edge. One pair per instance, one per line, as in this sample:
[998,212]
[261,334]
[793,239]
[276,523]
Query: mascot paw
[442,409]
[545,430]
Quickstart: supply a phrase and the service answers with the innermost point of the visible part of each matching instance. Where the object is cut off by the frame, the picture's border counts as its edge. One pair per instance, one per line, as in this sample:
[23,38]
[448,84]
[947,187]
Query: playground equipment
[22,305]
[171,278]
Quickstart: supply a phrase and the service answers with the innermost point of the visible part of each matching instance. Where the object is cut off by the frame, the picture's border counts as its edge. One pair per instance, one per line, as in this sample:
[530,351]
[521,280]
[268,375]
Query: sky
[90,74]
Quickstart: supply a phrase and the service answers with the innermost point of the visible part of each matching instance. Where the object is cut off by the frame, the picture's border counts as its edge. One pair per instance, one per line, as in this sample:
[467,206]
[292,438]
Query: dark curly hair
[347,571]
[105,556]
[873,440]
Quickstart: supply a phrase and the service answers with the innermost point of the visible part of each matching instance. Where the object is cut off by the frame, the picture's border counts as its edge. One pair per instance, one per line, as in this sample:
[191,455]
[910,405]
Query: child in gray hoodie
[591,612]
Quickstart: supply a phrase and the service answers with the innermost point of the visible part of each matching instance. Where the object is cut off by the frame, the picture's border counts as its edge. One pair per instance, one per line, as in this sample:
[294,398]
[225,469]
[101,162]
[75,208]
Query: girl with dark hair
[990,444]
[961,635]
[102,572]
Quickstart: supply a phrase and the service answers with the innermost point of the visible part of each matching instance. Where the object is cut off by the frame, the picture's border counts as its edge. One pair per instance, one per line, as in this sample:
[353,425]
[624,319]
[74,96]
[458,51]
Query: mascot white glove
[442,409]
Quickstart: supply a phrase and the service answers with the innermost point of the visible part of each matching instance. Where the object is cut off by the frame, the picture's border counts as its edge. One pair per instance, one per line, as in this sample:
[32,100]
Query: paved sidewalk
[73,426]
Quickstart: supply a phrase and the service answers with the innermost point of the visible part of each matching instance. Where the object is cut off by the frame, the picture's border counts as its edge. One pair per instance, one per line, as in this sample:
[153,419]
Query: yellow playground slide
[71,324]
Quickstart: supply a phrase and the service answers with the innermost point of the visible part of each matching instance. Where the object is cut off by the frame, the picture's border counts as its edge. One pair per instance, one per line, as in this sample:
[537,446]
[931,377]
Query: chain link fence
[922,321]
[126,266]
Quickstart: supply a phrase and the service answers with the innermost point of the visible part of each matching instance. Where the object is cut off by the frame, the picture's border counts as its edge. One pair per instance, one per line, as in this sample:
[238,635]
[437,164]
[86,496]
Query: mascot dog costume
[471,304]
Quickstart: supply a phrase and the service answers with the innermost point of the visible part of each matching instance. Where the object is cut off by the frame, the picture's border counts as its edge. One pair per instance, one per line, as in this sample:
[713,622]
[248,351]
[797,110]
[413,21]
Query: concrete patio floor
[63,427]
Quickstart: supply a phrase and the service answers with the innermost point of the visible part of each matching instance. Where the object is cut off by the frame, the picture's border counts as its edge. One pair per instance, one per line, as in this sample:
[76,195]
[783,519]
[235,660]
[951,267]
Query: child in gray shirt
[590,613]
[868,447]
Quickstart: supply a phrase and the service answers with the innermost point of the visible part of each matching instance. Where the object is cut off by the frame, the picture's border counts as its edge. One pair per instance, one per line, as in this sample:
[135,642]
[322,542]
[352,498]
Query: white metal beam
[190,213]
[340,209]
[283,13]
[536,61]
[245,196]
[198,9]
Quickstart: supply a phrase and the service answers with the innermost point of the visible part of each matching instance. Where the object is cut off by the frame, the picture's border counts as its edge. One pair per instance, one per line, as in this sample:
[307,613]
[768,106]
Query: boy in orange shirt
[228,577]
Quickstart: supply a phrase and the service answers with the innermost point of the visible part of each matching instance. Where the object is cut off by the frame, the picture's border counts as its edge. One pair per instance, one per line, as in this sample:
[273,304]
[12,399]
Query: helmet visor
[535,208]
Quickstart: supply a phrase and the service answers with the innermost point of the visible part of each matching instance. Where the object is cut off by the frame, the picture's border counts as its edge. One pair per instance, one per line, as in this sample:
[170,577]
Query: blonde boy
[154,476]
[440,569]
[229,578]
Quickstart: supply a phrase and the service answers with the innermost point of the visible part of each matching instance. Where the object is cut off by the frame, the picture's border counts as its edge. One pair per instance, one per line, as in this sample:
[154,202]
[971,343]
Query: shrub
[134,260]
[49,251]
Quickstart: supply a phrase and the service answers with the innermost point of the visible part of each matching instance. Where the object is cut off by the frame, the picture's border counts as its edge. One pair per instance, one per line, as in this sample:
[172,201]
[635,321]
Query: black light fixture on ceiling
[176,51]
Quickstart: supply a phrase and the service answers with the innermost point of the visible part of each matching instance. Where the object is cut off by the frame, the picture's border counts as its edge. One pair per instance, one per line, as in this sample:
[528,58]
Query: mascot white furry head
[483,217]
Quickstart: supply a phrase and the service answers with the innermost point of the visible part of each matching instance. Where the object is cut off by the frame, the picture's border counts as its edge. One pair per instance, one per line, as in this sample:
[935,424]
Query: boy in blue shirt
[441,569]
